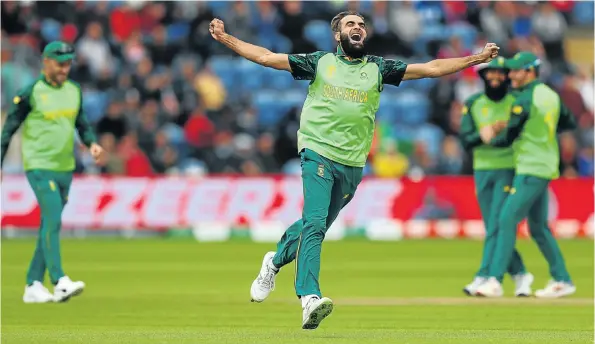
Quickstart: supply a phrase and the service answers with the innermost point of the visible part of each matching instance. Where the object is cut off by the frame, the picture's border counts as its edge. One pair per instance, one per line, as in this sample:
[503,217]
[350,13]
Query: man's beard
[55,79]
[355,51]
[498,92]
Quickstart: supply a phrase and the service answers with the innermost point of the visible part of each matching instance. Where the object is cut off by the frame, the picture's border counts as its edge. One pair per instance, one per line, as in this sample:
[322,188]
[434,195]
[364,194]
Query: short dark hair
[335,23]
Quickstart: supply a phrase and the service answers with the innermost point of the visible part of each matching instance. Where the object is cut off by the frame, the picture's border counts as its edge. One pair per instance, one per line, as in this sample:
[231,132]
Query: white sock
[272,266]
[307,298]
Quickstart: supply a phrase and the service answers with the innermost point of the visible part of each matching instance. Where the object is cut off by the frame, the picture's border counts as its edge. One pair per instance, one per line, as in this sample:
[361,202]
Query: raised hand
[217,29]
[490,52]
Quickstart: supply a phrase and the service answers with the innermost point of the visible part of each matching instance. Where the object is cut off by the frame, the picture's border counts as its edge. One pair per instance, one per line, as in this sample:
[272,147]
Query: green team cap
[59,51]
[523,60]
[497,63]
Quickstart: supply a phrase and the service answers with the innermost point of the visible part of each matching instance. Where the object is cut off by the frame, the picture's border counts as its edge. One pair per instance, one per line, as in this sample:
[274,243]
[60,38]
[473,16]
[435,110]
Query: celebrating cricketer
[334,139]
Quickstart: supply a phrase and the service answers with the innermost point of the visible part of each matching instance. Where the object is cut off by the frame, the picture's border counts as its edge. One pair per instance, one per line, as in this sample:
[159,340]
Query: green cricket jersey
[479,111]
[337,119]
[49,116]
[538,114]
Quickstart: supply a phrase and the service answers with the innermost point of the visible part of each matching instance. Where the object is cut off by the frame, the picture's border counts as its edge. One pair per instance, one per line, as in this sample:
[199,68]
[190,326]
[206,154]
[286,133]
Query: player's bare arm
[442,67]
[252,52]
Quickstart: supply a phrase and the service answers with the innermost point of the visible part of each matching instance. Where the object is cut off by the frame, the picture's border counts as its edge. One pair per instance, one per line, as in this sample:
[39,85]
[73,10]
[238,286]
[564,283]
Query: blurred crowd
[165,98]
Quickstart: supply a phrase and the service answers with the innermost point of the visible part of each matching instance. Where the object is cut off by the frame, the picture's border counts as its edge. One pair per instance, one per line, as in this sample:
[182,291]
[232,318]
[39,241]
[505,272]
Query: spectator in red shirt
[136,162]
[124,21]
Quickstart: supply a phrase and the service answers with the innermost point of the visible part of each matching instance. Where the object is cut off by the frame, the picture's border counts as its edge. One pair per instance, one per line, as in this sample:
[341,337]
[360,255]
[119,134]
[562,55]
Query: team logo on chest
[331,71]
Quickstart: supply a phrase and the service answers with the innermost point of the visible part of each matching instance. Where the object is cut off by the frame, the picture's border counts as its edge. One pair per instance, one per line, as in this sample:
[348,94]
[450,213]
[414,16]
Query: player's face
[57,71]
[517,77]
[495,77]
[352,36]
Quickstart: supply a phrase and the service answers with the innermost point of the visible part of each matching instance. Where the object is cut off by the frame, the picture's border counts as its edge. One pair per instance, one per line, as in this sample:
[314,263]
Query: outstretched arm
[252,52]
[442,67]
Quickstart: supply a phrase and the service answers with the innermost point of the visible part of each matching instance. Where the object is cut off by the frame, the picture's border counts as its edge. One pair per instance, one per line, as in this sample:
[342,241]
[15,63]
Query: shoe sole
[318,314]
[29,301]
[556,296]
[252,299]
[468,292]
[76,292]
[478,294]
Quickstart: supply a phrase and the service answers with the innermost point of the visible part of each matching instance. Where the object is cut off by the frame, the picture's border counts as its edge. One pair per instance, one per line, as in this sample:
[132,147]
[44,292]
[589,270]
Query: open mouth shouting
[356,37]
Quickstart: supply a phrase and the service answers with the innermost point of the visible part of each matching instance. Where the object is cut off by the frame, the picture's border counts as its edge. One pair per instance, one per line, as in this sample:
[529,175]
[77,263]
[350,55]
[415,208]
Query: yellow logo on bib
[331,70]
[517,110]
[16,100]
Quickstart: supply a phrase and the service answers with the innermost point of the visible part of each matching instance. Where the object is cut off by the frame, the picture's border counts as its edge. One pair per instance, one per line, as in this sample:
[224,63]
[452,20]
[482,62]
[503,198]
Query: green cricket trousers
[492,188]
[328,187]
[51,190]
[528,199]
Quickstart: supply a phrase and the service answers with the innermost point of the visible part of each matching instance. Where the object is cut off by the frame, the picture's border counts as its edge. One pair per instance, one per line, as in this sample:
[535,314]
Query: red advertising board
[113,203]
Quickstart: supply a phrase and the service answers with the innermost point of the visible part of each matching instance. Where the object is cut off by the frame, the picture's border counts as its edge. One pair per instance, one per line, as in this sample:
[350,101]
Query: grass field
[168,291]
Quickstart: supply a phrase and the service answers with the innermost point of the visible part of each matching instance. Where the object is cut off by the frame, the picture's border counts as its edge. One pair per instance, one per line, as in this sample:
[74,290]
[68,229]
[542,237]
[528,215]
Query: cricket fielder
[537,116]
[334,139]
[50,109]
[493,168]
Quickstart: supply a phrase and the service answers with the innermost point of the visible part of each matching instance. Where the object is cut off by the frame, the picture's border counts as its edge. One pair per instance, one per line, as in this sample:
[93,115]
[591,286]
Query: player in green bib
[334,139]
[493,168]
[537,115]
[49,110]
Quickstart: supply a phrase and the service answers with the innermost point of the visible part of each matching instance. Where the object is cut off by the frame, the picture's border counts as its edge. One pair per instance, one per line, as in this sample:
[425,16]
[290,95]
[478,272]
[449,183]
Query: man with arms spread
[50,109]
[537,115]
[334,139]
[493,168]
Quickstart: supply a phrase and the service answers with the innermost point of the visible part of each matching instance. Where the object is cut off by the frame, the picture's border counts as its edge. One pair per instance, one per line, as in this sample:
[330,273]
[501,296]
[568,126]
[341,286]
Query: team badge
[363,76]
[16,100]
[465,110]
[517,110]
[331,70]
[320,170]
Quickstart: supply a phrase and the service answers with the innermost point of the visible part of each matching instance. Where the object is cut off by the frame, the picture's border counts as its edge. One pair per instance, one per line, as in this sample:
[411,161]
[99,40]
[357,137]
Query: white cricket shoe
[522,284]
[66,288]
[265,281]
[491,288]
[37,293]
[555,289]
[471,288]
[315,311]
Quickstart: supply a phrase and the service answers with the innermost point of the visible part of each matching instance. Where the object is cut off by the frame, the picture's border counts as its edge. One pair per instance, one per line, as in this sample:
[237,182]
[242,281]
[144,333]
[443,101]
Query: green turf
[160,291]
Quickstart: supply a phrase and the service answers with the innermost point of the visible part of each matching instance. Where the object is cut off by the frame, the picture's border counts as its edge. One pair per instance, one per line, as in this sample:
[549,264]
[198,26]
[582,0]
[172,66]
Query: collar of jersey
[343,57]
[45,81]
